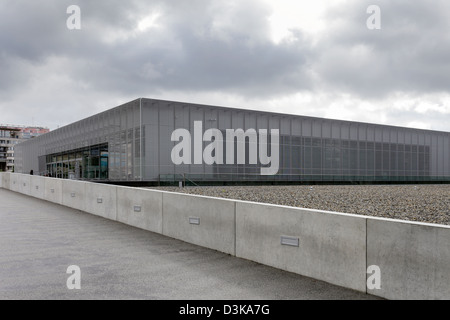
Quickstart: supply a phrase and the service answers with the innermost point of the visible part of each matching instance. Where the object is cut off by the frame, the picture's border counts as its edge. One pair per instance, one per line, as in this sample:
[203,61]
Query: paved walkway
[40,240]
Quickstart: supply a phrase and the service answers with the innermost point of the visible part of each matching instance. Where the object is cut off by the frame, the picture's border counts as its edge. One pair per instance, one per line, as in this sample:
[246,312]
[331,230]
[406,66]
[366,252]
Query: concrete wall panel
[37,187]
[141,208]
[101,200]
[73,194]
[203,221]
[14,182]
[53,190]
[414,259]
[6,180]
[325,246]
[24,182]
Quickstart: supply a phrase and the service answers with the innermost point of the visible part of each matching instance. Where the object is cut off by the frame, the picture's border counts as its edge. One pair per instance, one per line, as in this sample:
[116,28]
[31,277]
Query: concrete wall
[24,182]
[140,208]
[53,190]
[37,187]
[73,194]
[2,178]
[101,200]
[5,177]
[313,243]
[413,258]
[203,221]
[14,182]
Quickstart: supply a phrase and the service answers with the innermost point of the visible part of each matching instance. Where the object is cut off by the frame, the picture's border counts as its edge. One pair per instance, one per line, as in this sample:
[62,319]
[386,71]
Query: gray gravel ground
[424,203]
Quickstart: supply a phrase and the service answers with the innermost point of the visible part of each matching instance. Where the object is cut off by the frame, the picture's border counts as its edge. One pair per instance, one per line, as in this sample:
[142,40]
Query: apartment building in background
[10,136]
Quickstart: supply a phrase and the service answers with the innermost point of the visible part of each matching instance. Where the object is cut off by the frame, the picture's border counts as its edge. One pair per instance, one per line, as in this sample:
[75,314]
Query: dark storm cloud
[191,50]
[212,46]
[218,45]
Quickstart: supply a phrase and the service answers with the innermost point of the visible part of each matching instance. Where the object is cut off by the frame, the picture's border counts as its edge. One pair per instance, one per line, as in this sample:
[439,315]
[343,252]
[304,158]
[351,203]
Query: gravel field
[424,203]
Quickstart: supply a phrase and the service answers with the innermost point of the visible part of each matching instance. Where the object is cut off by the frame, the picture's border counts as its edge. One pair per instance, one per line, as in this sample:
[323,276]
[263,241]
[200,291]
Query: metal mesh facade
[132,142]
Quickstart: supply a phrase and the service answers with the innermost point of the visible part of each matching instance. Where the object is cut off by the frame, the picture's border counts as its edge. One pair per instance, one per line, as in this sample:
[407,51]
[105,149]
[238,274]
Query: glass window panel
[317,157]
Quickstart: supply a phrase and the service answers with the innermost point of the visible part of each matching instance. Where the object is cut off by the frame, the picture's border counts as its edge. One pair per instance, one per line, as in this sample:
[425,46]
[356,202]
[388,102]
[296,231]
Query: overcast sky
[314,58]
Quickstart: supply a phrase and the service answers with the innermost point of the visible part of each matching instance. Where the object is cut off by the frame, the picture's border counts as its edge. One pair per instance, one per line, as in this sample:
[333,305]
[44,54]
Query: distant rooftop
[13,126]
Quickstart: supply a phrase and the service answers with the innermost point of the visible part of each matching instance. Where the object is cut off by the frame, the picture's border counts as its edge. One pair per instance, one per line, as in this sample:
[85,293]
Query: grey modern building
[154,141]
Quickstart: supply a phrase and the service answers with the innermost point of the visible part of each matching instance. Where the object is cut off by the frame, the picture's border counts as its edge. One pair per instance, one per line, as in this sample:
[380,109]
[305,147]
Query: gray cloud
[209,47]
[194,49]
[190,52]
[410,52]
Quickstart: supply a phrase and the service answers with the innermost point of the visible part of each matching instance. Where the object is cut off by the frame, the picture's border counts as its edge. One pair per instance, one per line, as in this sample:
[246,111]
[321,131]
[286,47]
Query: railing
[195,178]
[176,179]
